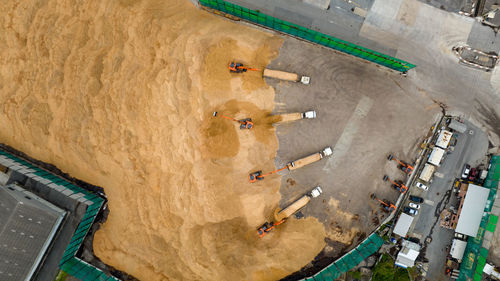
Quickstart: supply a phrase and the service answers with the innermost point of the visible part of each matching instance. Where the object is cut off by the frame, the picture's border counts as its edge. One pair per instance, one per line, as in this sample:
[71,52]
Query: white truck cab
[311,114]
[316,192]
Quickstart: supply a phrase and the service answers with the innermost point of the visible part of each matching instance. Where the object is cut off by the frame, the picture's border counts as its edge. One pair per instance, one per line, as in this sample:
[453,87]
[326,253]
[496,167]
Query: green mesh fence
[475,255]
[69,262]
[308,34]
[350,260]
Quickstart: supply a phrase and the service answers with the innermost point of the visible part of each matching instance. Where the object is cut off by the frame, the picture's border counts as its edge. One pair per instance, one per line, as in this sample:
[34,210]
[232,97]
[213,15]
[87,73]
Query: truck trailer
[298,204]
[287,76]
[287,117]
[309,159]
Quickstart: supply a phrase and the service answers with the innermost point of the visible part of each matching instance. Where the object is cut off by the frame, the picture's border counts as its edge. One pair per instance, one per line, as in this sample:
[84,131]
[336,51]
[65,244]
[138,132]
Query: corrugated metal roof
[27,224]
[458,249]
[403,224]
[472,210]
[444,139]
[436,156]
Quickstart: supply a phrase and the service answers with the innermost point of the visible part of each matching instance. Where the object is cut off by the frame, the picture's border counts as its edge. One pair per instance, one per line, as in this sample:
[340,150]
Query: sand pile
[121,94]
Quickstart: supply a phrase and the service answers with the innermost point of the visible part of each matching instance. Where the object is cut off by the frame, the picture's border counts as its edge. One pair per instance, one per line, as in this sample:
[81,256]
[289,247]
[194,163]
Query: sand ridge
[121,94]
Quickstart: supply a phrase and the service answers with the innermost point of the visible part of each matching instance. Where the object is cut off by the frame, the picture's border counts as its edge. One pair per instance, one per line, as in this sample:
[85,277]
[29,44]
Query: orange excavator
[244,123]
[237,67]
[399,186]
[255,176]
[388,206]
[403,166]
[267,227]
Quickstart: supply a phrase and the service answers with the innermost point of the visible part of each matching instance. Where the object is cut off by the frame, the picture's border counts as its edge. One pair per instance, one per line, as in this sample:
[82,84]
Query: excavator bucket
[390,157]
[214,114]
[385,178]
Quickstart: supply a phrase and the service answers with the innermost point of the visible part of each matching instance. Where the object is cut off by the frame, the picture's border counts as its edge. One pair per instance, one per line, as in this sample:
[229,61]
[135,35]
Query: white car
[422,186]
[414,206]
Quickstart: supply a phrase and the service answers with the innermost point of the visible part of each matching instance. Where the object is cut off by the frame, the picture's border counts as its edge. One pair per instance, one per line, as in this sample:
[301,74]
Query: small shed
[436,156]
[444,139]
[403,225]
[457,126]
[458,249]
[427,172]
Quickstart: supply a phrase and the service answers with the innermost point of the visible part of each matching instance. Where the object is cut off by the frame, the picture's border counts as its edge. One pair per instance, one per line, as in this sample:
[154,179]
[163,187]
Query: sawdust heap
[121,94]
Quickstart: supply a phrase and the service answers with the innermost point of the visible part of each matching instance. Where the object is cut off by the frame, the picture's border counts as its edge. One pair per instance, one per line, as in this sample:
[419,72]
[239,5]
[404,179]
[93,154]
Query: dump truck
[309,159]
[287,76]
[287,117]
[281,216]
[298,204]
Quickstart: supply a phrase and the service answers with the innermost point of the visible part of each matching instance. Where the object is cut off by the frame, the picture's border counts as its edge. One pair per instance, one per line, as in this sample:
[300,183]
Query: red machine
[237,67]
[403,166]
[388,206]
[399,186]
[244,123]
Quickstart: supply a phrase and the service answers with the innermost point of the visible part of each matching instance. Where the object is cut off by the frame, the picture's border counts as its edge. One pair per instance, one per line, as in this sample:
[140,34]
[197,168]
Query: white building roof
[427,172]
[436,156]
[403,225]
[472,210]
[408,254]
[458,249]
[444,139]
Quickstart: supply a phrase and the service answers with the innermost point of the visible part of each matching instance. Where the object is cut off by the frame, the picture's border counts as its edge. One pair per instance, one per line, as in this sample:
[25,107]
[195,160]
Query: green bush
[385,270]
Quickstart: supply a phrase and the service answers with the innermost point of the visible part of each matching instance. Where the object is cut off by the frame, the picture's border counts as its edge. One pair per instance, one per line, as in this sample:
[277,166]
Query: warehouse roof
[28,224]
[472,210]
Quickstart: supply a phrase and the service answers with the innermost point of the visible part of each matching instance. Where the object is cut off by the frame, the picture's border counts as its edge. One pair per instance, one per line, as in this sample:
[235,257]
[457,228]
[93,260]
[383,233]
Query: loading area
[363,114]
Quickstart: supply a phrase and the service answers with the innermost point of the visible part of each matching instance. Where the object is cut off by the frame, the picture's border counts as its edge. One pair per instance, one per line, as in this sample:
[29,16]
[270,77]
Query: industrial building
[44,220]
[471,210]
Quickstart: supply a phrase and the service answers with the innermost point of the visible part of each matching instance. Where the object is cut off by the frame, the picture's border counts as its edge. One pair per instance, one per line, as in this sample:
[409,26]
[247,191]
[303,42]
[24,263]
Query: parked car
[410,211]
[414,206]
[422,186]
[465,171]
[416,199]
[473,174]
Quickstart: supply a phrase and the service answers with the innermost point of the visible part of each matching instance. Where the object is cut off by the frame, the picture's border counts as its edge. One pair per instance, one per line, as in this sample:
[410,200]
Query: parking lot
[471,148]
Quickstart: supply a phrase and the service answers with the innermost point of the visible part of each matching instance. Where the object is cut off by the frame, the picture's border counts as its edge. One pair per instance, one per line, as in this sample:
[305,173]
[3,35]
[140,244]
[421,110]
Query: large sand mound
[121,94]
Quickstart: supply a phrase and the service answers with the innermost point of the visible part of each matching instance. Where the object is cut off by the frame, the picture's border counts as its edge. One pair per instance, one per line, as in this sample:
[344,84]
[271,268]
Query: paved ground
[470,149]
[364,115]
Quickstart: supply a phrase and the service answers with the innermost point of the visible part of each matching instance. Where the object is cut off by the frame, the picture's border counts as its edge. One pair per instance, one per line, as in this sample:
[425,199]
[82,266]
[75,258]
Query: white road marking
[344,142]
[429,202]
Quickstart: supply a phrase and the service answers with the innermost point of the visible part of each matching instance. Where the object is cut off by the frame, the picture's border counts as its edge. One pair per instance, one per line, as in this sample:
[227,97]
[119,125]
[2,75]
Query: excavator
[267,227]
[403,166]
[244,123]
[237,67]
[388,206]
[255,176]
[399,186]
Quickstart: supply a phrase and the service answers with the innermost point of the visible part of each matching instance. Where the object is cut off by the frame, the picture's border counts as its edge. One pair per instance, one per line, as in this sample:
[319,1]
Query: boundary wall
[310,35]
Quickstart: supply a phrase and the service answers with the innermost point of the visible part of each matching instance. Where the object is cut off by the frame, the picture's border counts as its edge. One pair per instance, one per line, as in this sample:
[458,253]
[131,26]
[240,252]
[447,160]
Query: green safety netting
[69,263]
[308,34]
[475,255]
[351,259]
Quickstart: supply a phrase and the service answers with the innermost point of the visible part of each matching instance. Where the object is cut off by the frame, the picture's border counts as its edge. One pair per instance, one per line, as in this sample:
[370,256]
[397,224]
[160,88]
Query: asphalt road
[471,149]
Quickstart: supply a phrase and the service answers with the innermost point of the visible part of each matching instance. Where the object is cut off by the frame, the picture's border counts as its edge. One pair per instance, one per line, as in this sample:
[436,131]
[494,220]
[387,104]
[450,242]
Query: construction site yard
[122,95]
[364,114]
